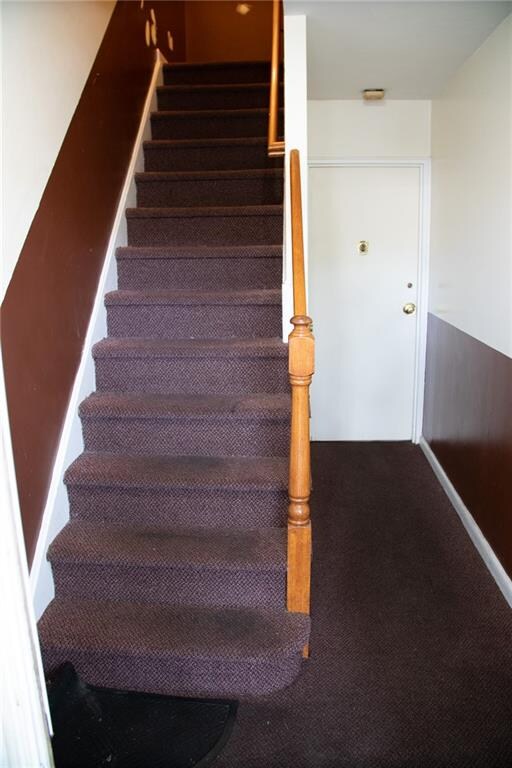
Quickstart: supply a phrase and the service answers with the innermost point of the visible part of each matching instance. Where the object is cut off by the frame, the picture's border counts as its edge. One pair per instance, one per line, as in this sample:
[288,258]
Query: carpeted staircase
[170,576]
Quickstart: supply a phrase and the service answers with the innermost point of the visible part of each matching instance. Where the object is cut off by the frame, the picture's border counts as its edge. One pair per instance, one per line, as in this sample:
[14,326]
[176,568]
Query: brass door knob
[409,308]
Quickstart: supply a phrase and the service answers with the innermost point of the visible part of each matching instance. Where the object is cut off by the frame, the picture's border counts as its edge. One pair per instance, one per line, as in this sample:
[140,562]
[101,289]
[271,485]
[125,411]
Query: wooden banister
[275,147]
[301,366]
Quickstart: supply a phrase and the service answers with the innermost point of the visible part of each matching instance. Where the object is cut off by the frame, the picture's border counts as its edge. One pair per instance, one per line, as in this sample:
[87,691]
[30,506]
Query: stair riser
[177,676]
[210,192]
[192,376]
[225,158]
[237,274]
[187,437]
[170,586]
[241,98]
[210,230]
[254,73]
[232,126]
[187,508]
[184,321]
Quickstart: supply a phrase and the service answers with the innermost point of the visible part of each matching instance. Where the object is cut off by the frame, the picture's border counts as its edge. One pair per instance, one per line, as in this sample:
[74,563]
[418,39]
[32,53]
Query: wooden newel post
[301,369]
[301,366]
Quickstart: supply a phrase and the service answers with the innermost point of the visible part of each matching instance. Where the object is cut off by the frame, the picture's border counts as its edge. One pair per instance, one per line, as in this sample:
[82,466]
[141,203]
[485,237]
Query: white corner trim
[423,292]
[482,545]
[23,700]
[296,137]
[56,512]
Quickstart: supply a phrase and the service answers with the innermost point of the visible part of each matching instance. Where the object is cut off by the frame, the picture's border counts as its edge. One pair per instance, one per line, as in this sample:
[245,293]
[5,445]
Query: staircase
[171,575]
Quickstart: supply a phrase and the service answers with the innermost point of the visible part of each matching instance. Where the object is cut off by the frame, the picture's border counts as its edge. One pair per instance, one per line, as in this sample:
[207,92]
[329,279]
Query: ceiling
[409,48]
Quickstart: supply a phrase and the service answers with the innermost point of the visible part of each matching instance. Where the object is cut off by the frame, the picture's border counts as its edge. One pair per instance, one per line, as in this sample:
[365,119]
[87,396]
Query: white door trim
[423,165]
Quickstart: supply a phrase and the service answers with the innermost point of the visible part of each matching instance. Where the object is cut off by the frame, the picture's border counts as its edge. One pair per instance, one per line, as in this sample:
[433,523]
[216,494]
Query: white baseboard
[56,512]
[482,545]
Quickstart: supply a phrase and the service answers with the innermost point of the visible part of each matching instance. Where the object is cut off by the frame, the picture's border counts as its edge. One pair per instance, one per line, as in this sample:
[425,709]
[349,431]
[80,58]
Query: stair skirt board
[170,576]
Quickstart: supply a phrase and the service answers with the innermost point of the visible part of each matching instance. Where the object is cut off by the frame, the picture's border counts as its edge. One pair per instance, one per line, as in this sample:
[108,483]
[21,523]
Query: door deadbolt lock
[409,308]
[363,246]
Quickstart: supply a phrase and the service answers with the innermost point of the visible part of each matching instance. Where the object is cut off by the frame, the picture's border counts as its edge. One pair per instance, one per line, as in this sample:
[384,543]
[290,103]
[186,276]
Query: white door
[363,388]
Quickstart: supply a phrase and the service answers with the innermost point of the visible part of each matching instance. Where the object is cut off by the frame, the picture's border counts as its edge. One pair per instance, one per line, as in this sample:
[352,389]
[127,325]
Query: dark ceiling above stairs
[170,576]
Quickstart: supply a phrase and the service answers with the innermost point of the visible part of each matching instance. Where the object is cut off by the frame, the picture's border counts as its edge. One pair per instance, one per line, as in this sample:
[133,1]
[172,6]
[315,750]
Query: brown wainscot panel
[468,424]
[48,303]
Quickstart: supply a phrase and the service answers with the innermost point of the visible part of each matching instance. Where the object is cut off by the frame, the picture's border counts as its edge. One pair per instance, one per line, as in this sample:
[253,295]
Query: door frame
[423,165]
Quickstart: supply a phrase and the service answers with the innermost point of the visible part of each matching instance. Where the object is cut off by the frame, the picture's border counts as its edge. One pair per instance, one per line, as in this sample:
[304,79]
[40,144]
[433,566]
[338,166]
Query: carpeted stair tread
[232,634]
[220,175]
[183,314]
[211,123]
[214,143]
[213,153]
[153,546]
[199,267]
[213,95]
[264,297]
[204,114]
[187,425]
[205,225]
[240,474]
[211,66]
[208,87]
[200,252]
[217,72]
[133,405]
[190,348]
[191,366]
[202,212]
[238,188]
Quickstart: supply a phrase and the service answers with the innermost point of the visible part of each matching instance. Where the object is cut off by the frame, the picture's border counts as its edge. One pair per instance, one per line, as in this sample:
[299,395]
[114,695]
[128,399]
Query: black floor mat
[99,727]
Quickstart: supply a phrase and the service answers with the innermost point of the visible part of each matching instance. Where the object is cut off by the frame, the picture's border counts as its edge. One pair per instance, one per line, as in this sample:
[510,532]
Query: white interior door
[363,388]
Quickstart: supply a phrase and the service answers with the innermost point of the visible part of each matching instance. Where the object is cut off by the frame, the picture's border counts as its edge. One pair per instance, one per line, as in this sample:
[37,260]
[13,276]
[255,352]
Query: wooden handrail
[301,366]
[299,277]
[275,147]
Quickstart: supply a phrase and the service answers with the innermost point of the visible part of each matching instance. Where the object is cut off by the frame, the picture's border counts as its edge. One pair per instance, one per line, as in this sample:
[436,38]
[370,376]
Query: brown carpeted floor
[411,642]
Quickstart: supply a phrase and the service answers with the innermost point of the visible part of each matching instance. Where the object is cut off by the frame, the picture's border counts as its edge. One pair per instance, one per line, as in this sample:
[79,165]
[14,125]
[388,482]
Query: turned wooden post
[301,369]
[301,366]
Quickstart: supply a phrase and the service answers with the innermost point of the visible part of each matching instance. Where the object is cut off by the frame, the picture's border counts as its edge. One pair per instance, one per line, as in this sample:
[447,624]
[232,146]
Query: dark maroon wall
[215,31]
[48,302]
[468,424]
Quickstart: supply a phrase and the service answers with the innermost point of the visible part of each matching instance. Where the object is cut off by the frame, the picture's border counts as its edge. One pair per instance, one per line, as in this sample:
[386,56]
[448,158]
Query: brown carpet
[411,640]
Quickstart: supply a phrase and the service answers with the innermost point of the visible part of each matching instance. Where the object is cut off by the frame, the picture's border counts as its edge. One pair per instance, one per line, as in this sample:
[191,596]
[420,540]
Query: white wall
[48,49]
[471,253]
[353,128]
[296,137]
